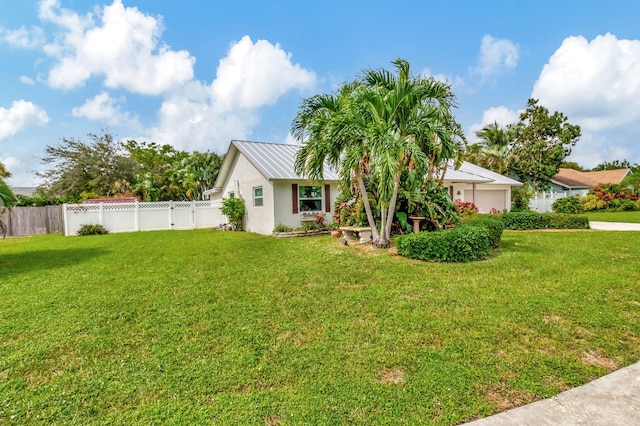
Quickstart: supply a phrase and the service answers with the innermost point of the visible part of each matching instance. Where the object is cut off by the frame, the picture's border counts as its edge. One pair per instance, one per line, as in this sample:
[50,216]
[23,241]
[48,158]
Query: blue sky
[197,74]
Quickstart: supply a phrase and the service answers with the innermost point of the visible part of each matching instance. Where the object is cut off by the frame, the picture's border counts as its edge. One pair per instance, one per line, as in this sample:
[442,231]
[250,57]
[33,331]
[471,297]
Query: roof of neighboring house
[274,160]
[570,178]
[26,191]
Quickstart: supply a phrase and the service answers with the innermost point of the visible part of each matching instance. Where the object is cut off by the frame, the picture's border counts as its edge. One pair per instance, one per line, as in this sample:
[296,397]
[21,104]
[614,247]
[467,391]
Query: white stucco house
[263,175]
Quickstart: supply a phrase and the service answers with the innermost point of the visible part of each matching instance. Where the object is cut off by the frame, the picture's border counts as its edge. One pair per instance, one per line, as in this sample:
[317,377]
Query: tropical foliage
[7,197]
[532,149]
[375,131]
[104,167]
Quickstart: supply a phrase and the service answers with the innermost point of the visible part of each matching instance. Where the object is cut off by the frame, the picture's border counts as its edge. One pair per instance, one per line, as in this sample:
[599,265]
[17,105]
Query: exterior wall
[569,191]
[283,202]
[241,181]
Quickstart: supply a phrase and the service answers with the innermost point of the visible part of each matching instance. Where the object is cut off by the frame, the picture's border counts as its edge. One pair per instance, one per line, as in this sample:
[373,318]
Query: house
[575,182]
[263,175]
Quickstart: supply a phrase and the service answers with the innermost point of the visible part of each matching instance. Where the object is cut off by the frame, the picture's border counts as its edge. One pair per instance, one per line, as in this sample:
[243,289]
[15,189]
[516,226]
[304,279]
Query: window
[257,197]
[310,198]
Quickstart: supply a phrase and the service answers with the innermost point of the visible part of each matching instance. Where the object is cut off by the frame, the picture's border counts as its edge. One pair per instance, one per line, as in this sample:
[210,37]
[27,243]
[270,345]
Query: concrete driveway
[615,226]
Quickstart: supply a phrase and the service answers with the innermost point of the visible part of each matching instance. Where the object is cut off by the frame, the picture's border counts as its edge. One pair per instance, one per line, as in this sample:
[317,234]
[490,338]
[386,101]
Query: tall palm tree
[382,124]
[493,150]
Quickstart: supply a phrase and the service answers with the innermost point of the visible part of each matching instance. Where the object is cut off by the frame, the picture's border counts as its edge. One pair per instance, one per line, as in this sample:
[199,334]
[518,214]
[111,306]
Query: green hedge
[531,220]
[464,243]
[491,222]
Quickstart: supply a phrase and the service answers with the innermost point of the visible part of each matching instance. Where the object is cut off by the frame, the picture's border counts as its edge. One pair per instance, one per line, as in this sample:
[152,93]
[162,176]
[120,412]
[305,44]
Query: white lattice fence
[130,217]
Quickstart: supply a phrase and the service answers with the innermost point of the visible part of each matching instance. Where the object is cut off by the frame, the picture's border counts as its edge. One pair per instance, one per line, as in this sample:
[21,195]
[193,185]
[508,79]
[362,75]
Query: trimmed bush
[461,244]
[524,221]
[491,222]
[92,230]
[568,221]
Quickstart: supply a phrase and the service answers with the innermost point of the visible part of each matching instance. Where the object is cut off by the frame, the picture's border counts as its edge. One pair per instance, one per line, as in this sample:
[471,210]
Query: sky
[198,74]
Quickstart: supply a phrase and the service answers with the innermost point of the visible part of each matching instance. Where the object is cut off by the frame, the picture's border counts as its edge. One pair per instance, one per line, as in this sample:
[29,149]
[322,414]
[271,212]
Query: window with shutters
[310,198]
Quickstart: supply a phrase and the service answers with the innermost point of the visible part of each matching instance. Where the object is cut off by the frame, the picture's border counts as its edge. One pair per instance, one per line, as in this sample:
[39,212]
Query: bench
[352,233]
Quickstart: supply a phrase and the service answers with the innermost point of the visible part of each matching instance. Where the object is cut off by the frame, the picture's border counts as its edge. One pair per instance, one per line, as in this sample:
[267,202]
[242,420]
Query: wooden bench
[353,233]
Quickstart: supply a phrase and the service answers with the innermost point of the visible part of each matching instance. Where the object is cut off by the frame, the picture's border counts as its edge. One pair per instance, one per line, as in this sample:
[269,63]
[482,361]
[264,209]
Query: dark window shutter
[327,198]
[294,197]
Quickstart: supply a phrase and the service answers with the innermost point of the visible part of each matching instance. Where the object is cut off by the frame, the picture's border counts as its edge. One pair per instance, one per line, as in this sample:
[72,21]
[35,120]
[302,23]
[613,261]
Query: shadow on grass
[28,261]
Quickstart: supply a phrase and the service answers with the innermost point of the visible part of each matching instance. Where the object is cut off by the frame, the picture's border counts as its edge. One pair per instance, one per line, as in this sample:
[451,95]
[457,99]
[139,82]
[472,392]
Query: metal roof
[492,177]
[275,160]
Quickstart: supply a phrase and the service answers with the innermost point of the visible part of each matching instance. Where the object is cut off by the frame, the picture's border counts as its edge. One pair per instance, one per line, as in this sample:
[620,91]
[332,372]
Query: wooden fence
[23,221]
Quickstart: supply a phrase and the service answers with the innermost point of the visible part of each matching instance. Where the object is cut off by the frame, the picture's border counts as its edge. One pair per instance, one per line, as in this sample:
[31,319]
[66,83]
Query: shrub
[282,228]
[521,221]
[592,202]
[568,205]
[491,222]
[92,230]
[233,208]
[466,209]
[461,244]
[568,221]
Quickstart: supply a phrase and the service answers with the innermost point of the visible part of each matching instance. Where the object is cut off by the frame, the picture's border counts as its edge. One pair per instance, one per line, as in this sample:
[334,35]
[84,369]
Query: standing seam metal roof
[276,161]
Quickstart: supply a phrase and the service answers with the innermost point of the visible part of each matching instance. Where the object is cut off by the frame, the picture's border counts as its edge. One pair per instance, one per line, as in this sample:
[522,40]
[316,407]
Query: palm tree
[493,150]
[379,125]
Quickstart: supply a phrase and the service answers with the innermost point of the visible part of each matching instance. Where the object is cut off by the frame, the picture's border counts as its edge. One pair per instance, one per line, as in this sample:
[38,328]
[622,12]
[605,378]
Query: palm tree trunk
[387,213]
[375,235]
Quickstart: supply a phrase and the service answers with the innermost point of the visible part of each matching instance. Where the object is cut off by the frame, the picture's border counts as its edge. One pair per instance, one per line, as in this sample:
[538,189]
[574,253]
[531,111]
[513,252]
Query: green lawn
[204,327]
[632,217]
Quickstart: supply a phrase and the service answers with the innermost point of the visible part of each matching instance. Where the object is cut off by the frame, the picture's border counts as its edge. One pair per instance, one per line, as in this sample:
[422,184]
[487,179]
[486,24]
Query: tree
[79,170]
[493,150]
[541,144]
[613,165]
[164,173]
[7,197]
[379,126]
[572,165]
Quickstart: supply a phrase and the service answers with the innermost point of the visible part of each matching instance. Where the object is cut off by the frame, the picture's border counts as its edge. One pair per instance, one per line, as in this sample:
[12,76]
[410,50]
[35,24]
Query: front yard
[629,217]
[204,327]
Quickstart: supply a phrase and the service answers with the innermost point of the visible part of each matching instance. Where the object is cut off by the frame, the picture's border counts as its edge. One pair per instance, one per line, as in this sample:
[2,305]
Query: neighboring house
[263,175]
[25,191]
[575,182]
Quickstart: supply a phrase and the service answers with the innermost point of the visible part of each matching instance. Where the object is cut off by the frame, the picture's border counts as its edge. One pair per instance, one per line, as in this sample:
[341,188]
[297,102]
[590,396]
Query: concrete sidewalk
[610,400]
[615,226]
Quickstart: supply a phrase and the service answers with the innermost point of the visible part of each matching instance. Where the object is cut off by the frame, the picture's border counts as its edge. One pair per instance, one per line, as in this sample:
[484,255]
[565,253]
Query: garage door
[486,200]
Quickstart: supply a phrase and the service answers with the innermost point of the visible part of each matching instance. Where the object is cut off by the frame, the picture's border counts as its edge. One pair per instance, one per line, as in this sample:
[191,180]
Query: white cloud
[10,163]
[121,44]
[501,115]
[496,56]
[23,37]
[103,107]
[27,80]
[256,74]
[595,84]
[207,117]
[19,116]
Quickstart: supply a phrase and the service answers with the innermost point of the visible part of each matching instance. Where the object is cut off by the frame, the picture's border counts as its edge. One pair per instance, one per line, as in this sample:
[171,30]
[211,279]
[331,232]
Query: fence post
[171,215]
[194,225]
[65,219]
[137,216]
